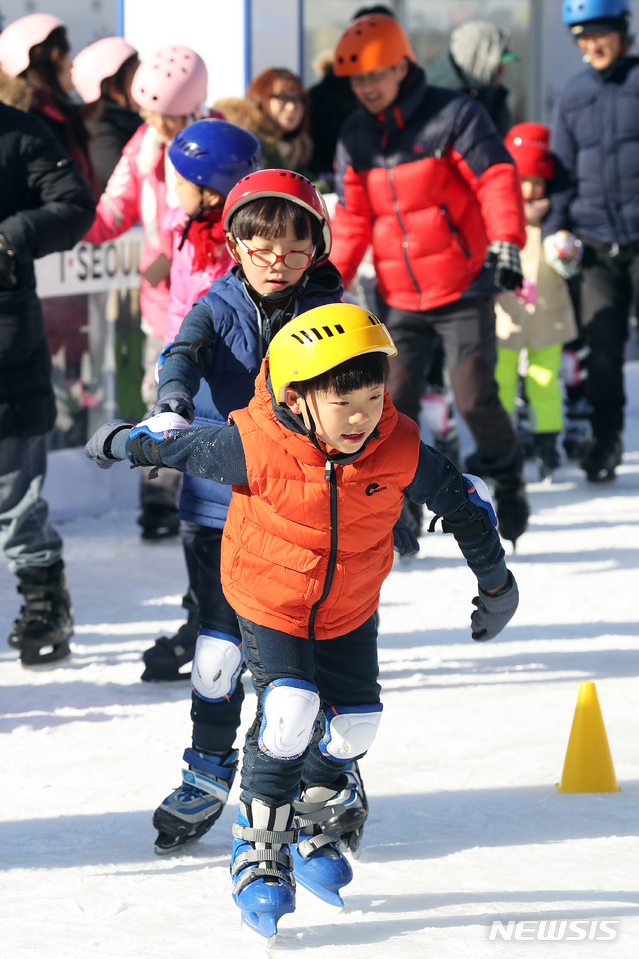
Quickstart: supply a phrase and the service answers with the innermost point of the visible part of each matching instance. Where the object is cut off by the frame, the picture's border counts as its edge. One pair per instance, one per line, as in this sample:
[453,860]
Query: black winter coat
[109,136]
[595,136]
[45,206]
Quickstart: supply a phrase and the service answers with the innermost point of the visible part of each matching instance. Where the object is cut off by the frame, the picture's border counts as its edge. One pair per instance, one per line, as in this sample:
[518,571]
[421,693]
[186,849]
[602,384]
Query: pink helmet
[172,81]
[96,63]
[17,39]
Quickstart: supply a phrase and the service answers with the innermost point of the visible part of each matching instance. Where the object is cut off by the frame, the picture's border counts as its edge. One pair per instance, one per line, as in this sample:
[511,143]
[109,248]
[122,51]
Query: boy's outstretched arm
[213,452]
[467,512]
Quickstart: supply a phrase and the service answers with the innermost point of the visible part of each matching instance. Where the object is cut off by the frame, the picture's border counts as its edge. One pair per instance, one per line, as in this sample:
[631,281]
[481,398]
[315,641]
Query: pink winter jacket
[187,286]
[137,191]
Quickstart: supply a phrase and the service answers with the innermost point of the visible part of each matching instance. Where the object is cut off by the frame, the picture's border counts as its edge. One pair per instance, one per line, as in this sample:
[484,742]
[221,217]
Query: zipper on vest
[405,236]
[331,477]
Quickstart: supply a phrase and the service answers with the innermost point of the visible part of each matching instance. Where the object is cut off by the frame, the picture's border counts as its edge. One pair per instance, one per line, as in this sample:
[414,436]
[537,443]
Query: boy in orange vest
[319,462]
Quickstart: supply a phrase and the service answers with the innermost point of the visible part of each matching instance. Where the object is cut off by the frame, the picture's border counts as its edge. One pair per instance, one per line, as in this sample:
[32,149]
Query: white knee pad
[289,711]
[349,731]
[216,665]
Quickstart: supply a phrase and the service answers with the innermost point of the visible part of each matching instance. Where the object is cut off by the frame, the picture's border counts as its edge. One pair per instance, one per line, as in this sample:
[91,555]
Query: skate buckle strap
[262,855]
[309,813]
[251,874]
[207,764]
[193,778]
[263,835]
[313,843]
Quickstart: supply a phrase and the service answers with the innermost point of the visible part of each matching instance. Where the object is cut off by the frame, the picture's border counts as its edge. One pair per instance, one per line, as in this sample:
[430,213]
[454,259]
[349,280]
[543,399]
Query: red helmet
[529,146]
[287,185]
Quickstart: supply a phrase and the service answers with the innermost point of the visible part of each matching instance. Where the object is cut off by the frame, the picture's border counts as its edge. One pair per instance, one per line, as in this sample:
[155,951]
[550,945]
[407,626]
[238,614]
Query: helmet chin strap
[339,459]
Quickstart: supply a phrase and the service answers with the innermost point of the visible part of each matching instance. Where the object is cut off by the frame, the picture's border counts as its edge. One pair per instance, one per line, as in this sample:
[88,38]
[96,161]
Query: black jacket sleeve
[58,208]
[440,485]
[214,452]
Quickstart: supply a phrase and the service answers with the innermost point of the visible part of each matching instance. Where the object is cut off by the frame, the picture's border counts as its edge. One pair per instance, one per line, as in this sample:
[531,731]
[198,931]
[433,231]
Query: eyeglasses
[264,258]
[285,98]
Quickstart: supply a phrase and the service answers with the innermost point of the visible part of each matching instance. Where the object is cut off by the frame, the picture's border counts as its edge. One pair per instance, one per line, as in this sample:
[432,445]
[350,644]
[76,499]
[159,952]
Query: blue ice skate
[262,867]
[320,866]
[350,817]
[192,808]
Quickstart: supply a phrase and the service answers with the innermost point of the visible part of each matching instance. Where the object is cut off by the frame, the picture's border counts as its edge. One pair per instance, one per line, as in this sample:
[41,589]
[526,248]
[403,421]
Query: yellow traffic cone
[588,767]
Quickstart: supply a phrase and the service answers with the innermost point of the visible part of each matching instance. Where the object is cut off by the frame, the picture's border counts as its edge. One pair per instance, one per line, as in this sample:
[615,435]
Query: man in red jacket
[422,174]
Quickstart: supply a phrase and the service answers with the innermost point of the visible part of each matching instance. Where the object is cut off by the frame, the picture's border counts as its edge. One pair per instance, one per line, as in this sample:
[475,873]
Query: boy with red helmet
[540,315]
[278,233]
[423,175]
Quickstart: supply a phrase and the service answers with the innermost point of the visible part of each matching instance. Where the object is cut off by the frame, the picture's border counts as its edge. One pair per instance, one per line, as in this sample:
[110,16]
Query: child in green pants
[539,317]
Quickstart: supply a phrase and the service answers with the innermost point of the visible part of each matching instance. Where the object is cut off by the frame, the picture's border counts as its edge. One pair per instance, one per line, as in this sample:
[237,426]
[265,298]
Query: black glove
[8,277]
[404,540]
[98,448]
[505,257]
[494,612]
[174,402]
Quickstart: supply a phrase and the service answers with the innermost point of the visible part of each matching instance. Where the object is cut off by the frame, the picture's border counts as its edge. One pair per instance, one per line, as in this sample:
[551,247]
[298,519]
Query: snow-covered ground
[466,824]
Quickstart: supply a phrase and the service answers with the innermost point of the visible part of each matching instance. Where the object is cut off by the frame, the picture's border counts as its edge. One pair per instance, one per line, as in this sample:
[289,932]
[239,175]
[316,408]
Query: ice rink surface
[466,825]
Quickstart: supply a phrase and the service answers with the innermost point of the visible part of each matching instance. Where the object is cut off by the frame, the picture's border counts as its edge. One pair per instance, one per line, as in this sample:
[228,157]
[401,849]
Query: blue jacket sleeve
[214,452]
[564,186]
[187,360]
[440,485]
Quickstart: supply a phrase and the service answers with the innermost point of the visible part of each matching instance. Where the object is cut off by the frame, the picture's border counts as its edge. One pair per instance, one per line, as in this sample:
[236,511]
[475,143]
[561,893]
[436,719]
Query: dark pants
[467,331]
[610,286]
[345,672]
[214,724]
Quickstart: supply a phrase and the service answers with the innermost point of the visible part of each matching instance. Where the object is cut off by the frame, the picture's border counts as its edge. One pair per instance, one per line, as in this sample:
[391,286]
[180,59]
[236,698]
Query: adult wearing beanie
[475,63]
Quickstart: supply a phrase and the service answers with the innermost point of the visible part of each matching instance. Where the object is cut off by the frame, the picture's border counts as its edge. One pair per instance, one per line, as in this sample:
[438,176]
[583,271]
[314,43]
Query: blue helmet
[216,154]
[576,12]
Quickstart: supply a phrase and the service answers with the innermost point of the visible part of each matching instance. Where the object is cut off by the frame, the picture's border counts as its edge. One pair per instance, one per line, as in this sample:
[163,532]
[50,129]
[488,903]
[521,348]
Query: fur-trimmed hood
[294,152]
[15,92]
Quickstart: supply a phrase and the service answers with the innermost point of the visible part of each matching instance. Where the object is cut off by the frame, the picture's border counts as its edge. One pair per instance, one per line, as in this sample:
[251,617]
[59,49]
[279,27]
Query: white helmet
[17,39]
[96,63]
[172,81]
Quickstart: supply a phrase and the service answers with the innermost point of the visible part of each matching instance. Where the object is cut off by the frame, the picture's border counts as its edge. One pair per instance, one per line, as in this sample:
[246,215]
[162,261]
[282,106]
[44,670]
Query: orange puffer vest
[285,565]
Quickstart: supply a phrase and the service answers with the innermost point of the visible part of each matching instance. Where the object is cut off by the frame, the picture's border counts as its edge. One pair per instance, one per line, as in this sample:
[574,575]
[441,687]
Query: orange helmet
[370,43]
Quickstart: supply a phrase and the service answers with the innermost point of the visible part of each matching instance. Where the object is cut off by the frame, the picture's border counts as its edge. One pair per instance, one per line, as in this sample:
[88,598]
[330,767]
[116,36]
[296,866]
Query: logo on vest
[374,488]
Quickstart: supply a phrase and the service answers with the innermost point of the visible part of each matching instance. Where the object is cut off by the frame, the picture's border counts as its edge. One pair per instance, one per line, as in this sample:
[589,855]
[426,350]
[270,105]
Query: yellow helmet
[314,342]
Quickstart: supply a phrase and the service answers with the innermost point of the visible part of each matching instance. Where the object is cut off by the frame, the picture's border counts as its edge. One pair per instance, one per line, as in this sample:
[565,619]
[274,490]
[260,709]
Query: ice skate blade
[45,667]
[170,850]
[249,931]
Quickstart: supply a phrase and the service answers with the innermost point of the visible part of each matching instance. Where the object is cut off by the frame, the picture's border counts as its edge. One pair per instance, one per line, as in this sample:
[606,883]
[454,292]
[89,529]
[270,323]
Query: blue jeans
[27,536]
[345,671]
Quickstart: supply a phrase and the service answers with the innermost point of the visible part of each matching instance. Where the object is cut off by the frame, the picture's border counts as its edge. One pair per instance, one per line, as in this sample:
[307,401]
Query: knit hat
[478,48]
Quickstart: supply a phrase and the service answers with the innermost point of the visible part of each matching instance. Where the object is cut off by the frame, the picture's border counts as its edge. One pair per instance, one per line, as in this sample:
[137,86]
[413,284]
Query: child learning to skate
[319,463]
[540,316]
[208,159]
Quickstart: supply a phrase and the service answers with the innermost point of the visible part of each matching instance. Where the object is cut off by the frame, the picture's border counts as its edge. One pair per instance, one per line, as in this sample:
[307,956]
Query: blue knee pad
[216,665]
[289,711]
[349,731]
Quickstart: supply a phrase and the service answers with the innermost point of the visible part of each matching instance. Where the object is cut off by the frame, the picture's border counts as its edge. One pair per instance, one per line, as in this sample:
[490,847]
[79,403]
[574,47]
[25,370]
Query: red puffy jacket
[430,183]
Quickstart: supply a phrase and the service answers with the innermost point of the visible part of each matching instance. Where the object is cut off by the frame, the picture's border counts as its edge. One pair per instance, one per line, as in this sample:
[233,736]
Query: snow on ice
[466,825]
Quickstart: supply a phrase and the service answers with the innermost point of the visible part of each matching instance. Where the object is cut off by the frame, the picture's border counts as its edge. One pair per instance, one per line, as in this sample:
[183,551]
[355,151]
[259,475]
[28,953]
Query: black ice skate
[602,460]
[349,822]
[42,633]
[159,522]
[546,455]
[164,660]
[578,438]
[191,809]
